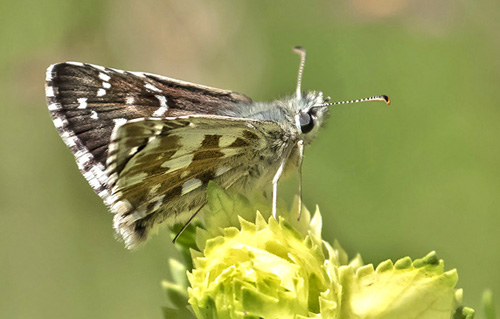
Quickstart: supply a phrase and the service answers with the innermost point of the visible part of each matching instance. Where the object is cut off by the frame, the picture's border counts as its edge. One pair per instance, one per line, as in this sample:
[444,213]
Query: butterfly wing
[88,101]
[160,168]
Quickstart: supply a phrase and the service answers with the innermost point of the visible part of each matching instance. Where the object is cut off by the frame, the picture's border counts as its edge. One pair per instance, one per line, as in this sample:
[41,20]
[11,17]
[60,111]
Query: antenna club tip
[387,99]
[298,49]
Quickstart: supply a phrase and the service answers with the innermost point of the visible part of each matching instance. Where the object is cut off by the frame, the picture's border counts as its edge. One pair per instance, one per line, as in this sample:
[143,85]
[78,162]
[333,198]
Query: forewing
[87,101]
[160,168]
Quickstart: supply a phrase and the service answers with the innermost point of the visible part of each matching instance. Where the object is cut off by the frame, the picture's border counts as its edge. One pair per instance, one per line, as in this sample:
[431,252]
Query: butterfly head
[310,114]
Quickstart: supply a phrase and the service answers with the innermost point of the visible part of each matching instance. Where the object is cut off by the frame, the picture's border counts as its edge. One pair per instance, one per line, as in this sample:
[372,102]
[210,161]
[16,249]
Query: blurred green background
[420,175]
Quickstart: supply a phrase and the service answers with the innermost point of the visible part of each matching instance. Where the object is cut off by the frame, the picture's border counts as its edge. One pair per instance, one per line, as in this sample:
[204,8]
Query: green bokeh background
[420,175]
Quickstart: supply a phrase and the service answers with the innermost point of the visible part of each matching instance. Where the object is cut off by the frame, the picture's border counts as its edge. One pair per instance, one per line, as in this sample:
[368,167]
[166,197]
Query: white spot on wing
[111,148]
[94,115]
[106,85]
[82,159]
[99,67]
[111,165]
[92,181]
[49,91]
[163,106]
[110,199]
[75,63]
[104,77]
[221,170]
[190,185]
[48,74]
[178,163]
[163,100]
[69,139]
[58,122]
[103,193]
[121,207]
[99,173]
[151,87]
[152,141]
[101,92]
[130,99]
[133,150]
[82,103]
[54,106]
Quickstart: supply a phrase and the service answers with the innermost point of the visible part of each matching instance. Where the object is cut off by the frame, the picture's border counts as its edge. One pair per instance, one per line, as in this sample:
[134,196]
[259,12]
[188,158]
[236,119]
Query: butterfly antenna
[384,98]
[302,52]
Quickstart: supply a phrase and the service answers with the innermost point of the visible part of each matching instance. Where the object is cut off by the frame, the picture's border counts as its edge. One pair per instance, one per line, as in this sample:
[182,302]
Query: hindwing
[160,168]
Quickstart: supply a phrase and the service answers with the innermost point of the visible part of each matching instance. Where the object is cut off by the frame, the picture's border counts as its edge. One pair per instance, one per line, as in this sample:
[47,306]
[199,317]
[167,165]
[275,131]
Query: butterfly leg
[275,187]
[300,145]
[187,223]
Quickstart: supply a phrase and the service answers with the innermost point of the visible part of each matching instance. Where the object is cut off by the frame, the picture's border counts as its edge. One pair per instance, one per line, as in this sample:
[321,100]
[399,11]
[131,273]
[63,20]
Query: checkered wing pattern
[89,102]
[160,168]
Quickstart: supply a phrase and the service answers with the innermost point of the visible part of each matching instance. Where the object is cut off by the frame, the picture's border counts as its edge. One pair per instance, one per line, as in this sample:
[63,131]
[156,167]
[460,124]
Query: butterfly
[148,145]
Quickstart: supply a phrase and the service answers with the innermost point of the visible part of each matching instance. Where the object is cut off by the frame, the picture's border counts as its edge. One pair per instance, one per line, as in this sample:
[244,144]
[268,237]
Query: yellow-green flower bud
[269,269]
[265,269]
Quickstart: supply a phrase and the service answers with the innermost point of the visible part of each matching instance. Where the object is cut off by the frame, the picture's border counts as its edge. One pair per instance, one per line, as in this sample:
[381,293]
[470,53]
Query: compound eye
[306,122]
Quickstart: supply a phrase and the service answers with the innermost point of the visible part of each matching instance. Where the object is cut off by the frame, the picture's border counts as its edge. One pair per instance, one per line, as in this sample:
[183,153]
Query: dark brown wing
[87,101]
[91,97]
